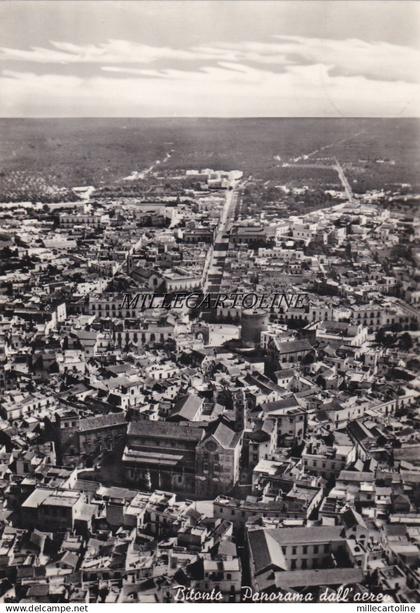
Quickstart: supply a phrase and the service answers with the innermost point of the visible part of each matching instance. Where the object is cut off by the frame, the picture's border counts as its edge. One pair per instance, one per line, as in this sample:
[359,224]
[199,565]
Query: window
[294,549]
[305,549]
[293,567]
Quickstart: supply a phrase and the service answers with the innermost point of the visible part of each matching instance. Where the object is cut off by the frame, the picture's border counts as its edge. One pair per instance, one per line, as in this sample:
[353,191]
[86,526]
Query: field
[70,152]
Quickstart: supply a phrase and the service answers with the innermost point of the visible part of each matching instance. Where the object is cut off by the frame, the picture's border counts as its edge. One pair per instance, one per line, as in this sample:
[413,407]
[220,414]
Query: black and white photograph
[209,304]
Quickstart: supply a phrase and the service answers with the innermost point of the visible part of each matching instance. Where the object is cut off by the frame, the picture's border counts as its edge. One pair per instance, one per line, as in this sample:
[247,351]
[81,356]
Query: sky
[210,58]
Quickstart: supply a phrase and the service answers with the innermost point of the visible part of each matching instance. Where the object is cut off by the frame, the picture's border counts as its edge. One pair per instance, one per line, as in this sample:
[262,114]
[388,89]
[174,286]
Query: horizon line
[210,117]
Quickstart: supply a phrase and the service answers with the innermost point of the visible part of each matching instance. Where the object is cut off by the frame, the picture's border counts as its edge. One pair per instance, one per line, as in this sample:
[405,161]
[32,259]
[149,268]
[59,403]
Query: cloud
[285,75]
[349,57]
[378,60]
[223,72]
[112,52]
[226,90]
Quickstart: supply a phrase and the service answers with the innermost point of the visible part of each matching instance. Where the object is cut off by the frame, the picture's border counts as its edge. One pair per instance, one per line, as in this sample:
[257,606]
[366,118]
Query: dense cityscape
[259,443]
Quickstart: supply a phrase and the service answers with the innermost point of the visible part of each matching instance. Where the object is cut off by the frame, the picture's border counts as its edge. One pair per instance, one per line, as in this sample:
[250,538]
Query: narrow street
[214,272]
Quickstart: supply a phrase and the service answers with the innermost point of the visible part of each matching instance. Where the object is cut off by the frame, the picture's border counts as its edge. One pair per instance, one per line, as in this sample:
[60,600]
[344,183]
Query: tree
[397,327]
[309,358]
[383,338]
[380,336]
[6,253]
[401,251]
[413,364]
[224,397]
[405,342]
[396,373]
[321,381]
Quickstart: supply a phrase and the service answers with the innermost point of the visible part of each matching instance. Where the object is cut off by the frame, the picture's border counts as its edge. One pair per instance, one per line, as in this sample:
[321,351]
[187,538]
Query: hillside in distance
[72,152]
